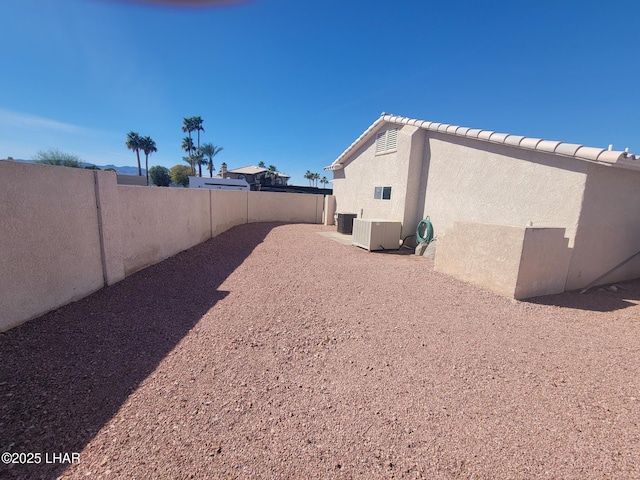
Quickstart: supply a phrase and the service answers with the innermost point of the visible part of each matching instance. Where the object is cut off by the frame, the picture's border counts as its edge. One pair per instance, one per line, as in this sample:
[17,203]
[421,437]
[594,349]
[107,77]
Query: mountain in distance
[121,170]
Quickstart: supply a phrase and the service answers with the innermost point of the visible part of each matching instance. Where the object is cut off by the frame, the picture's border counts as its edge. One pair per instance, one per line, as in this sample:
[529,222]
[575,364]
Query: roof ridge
[574,150]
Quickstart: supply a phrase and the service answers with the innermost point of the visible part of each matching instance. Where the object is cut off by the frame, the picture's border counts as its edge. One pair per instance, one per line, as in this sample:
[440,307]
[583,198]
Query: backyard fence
[67,232]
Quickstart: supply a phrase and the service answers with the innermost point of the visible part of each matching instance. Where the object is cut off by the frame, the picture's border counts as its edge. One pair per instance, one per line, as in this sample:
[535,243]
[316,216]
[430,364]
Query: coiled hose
[424,231]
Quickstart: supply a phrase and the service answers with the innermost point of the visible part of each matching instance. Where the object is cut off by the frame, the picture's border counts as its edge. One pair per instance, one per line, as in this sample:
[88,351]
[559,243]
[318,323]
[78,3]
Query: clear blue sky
[293,83]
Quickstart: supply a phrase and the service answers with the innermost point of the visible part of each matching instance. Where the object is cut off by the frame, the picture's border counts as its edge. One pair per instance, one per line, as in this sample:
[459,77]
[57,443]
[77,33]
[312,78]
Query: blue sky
[293,83]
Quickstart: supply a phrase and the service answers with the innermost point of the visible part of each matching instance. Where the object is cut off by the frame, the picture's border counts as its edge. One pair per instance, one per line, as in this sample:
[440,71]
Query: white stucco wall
[474,181]
[609,228]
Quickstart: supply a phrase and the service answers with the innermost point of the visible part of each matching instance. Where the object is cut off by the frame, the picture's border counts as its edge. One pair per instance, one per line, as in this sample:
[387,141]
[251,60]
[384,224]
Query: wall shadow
[65,374]
[597,299]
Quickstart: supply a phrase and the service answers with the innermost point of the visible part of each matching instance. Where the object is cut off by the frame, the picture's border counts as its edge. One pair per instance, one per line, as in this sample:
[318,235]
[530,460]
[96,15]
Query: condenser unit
[376,234]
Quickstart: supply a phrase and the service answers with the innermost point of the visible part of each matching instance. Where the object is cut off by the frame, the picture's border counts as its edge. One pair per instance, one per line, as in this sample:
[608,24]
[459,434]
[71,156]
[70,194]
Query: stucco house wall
[609,227]
[353,186]
[469,180]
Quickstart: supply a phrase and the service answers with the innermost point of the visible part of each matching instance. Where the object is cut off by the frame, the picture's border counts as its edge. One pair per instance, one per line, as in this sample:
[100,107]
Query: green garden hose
[424,232]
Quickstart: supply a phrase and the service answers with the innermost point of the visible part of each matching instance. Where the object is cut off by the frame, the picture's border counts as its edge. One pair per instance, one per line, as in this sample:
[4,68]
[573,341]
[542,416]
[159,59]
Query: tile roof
[252,170]
[580,152]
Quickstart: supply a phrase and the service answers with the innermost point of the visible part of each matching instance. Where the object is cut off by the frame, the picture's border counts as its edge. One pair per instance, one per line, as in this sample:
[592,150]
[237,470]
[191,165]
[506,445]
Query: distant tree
[160,176]
[272,171]
[315,177]
[92,167]
[198,159]
[56,157]
[261,164]
[133,143]
[309,176]
[148,146]
[197,126]
[209,150]
[188,127]
[187,146]
[110,170]
[324,181]
[180,175]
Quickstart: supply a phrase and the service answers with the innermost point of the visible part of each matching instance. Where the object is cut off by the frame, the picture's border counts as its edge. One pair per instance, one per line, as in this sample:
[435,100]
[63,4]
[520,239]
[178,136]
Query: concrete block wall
[65,233]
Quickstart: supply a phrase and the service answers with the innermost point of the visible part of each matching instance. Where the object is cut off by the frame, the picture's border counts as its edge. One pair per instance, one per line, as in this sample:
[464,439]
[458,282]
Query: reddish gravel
[274,352]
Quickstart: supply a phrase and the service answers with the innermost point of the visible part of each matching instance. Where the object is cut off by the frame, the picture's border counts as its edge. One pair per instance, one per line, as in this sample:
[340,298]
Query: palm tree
[197,126]
[309,176]
[148,146]
[324,181]
[187,146]
[188,127]
[133,143]
[315,177]
[209,150]
[273,173]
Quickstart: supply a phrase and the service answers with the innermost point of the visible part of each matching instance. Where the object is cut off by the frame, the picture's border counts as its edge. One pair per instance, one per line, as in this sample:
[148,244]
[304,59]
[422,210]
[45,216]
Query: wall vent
[387,141]
[376,234]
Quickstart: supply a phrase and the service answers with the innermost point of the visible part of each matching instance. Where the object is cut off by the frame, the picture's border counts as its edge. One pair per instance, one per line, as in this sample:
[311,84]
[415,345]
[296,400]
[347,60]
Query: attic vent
[387,141]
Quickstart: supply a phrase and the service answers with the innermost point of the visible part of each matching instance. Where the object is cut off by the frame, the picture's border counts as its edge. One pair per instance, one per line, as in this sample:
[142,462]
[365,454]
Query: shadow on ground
[65,374]
[597,299]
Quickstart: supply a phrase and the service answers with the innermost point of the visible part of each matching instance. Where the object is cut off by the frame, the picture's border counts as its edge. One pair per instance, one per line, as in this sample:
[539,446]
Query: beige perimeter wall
[68,232]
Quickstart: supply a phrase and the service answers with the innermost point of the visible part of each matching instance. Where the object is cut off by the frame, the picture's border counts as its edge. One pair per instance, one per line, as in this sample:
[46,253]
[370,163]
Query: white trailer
[218,183]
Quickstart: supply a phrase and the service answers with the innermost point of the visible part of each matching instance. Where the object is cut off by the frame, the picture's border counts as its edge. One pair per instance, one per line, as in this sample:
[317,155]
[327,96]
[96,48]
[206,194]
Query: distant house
[405,169]
[257,176]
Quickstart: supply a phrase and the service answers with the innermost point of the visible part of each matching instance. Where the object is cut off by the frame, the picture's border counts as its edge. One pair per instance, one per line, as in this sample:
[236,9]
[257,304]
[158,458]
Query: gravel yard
[273,352]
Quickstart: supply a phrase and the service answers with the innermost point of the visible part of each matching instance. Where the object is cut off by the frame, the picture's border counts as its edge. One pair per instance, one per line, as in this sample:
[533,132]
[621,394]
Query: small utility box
[345,222]
[376,234]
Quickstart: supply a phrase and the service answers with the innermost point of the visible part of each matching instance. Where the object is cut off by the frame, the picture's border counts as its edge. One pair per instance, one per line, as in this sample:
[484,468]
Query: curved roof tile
[498,137]
[473,132]
[514,140]
[589,153]
[548,146]
[530,142]
[569,149]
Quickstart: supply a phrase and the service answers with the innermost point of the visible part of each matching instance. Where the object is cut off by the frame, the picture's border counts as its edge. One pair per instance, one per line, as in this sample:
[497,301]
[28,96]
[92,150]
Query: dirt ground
[273,352]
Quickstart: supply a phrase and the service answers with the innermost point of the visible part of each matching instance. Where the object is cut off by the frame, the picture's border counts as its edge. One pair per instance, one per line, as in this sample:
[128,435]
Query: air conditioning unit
[376,234]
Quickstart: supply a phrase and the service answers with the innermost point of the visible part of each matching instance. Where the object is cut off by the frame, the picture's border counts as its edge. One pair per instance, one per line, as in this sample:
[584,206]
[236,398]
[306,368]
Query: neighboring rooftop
[580,152]
[253,170]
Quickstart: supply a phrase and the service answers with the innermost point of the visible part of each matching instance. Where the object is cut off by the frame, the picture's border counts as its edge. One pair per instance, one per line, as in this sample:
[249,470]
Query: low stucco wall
[517,262]
[160,222]
[49,237]
[68,232]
